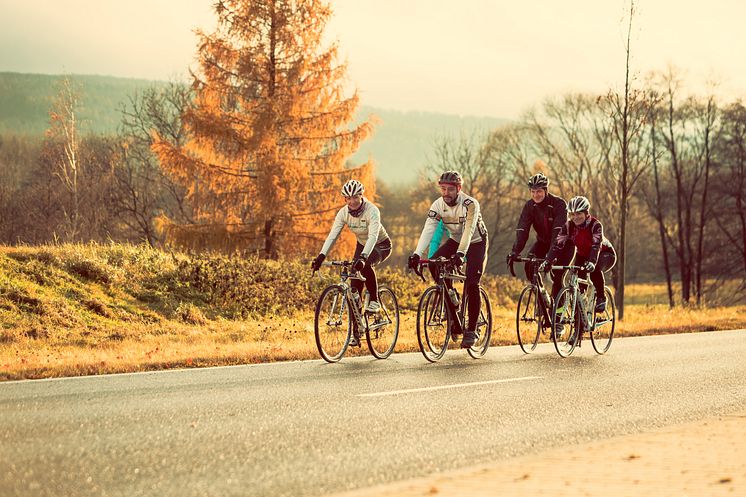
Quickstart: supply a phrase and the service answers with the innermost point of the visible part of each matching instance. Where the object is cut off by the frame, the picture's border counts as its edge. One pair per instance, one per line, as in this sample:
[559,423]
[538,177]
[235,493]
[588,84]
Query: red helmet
[450,178]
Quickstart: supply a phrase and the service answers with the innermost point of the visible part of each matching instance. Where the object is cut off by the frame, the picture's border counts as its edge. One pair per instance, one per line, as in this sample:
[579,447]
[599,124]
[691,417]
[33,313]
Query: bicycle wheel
[484,325]
[383,327]
[332,323]
[528,319]
[603,325]
[565,322]
[432,324]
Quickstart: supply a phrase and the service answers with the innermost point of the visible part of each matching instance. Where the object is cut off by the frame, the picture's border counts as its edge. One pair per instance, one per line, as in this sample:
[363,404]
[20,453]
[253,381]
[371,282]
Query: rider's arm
[597,232]
[560,219]
[427,231]
[559,242]
[437,237]
[374,227]
[472,216]
[522,230]
[339,223]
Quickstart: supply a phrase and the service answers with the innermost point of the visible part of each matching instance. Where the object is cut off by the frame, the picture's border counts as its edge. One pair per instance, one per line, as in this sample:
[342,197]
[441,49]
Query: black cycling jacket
[547,218]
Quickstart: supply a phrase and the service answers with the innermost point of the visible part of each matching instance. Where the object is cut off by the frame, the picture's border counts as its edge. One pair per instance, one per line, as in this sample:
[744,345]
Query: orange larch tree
[269,131]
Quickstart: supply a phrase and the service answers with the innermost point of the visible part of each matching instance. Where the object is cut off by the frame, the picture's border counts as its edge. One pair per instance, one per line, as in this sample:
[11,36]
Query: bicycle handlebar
[530,260]
[344,265]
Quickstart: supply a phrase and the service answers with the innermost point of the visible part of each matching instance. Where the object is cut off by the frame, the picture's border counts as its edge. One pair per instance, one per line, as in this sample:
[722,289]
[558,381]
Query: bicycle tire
[484,326]
[333,335]
[603,325]
[566,312]
[382,340]
[432,324]
[527,319]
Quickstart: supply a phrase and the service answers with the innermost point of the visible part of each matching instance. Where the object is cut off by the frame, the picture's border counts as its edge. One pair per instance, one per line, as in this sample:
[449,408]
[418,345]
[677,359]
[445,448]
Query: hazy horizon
[479,58]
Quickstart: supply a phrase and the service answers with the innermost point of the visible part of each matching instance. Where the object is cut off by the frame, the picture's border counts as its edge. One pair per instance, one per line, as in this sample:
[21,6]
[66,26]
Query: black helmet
[450,178]
[578,204]
[538,180]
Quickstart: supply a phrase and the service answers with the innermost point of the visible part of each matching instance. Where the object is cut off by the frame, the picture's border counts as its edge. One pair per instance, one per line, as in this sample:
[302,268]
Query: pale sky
[471,57]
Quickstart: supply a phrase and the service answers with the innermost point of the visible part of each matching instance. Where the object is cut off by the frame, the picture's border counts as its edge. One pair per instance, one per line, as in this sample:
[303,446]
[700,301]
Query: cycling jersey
[462,220]
[547,218]
[366,226]
[588,239]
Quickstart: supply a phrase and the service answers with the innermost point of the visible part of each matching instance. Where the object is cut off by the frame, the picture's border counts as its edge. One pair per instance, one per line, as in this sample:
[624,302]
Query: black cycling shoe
[470,338]
[355,340]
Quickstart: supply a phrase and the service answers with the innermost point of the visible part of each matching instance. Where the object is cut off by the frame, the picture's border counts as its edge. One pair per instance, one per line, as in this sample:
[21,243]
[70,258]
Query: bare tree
[142,191]
[64,142]
[731,193]
[654,198]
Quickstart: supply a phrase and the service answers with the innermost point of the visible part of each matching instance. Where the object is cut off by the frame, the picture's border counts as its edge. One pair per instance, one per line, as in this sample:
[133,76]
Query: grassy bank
[87,309]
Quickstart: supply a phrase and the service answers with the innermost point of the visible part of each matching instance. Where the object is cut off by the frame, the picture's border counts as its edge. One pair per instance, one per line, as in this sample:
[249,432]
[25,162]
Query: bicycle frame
[585,303]
[537,280]
[360,318]
[447,271]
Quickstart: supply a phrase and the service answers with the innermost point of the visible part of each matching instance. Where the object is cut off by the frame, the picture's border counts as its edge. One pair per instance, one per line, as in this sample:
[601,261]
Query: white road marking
[443,387]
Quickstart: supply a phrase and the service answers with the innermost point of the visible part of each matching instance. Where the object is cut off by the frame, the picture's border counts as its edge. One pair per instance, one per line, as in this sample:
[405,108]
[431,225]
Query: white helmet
[352,188]
[578,204]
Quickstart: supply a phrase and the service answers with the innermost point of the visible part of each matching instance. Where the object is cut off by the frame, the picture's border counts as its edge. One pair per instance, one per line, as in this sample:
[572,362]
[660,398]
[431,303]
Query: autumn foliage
[269,132]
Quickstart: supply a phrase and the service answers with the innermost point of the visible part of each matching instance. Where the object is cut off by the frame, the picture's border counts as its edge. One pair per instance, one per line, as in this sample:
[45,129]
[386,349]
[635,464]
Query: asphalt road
[311,428]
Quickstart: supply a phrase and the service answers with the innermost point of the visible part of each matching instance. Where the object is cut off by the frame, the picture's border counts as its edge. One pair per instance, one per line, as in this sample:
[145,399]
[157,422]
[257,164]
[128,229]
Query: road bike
[574,314]
[442,314]
[340,317]
[534,306]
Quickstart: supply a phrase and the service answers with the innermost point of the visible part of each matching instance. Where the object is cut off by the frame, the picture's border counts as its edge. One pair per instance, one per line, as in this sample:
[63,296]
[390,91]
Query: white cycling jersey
[463,221]
[367,227]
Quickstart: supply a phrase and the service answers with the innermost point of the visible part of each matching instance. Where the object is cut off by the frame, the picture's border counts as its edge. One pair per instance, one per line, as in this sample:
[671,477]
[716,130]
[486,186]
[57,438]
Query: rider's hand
[413,262]
[316,263]
[458,258]
[589,267]
[511,258]
[359,263]
[545,267]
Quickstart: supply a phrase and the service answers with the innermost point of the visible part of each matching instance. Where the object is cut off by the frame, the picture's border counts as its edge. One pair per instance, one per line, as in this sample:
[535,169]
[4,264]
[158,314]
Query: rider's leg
[563,258]
[606,261]
[379,254]
[446,250]
[537,250]
[476,260]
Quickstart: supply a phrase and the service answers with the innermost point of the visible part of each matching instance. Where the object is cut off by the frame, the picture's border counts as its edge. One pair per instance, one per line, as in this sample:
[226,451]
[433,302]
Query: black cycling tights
[475,261]
[379,254]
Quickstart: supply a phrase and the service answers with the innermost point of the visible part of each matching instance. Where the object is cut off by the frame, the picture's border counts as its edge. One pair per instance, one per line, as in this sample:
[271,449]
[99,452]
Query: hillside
[400,144]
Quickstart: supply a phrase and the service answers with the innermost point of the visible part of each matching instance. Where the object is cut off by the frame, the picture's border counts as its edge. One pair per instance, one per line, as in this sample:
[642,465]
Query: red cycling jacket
[588,239]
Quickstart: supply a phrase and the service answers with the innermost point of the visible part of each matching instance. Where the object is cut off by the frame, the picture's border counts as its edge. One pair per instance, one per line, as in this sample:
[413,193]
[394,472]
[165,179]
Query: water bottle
[454,296]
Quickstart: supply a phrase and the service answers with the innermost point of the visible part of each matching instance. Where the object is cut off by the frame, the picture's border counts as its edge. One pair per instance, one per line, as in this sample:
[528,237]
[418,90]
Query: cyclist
[583,237]
[547,213]
[373,243]
[467,240]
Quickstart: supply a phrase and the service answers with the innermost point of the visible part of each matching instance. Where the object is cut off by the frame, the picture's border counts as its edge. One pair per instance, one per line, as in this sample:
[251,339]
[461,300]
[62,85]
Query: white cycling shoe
[373,307]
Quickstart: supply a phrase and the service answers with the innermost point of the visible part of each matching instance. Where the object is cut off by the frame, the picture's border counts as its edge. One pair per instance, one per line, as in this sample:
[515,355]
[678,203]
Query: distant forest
[400,144]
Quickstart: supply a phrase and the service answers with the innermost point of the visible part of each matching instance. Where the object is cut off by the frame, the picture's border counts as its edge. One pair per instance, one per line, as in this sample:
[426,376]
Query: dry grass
[81,310]
[224,342]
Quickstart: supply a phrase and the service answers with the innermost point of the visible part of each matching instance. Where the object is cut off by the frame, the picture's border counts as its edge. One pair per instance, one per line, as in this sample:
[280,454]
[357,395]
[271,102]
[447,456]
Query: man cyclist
[373,243]
[467,240]
[547,214]
[582,237]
